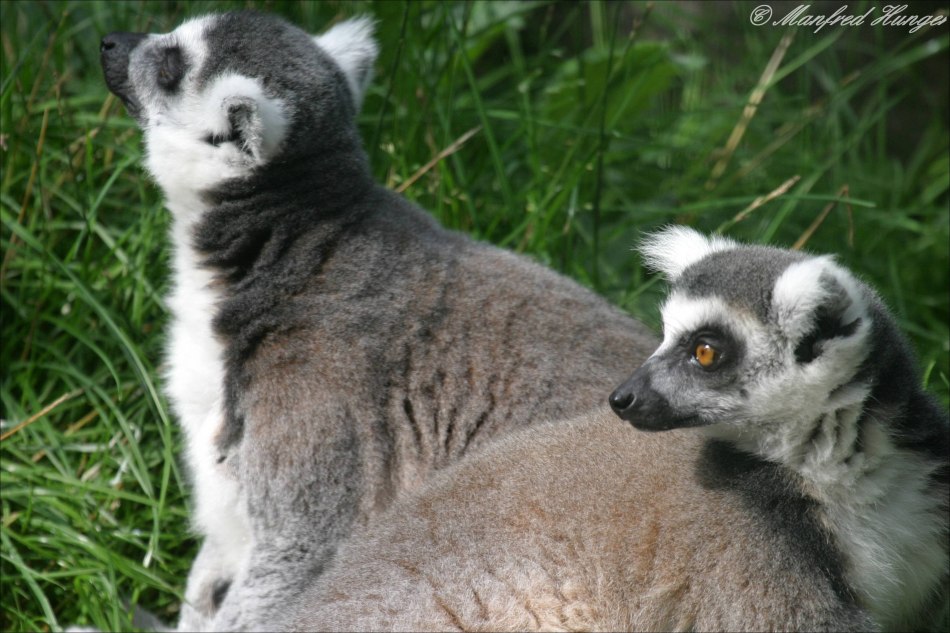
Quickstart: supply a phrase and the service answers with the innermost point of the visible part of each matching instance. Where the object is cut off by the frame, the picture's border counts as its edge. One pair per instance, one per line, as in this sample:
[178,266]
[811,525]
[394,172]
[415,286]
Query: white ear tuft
[673,248]
[352,47]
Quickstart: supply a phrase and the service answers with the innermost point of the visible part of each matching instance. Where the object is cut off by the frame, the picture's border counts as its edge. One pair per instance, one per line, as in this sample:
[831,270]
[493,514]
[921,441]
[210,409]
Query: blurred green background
[562,130]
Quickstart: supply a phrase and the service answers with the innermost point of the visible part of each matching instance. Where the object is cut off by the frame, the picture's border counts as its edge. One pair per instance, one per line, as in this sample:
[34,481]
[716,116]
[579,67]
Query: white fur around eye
[190,37]
[683,315]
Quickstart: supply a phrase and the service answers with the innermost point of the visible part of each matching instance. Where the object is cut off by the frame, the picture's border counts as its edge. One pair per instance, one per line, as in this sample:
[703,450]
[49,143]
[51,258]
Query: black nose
[621,400]
[639,402]
[114,55]
[120,43]
[636,397]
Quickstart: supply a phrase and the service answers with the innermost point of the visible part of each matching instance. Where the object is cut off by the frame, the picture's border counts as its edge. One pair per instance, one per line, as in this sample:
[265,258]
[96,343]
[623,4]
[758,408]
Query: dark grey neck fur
[267,236]
[774,493]
[915,419]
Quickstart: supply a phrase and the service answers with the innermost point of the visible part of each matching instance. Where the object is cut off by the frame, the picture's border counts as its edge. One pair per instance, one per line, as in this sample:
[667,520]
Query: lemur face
[753,337]
[223,94]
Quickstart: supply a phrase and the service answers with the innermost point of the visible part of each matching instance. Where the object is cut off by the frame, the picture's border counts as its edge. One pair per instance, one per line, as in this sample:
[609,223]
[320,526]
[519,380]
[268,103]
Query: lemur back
[785,472]
[331,345]
[588,525]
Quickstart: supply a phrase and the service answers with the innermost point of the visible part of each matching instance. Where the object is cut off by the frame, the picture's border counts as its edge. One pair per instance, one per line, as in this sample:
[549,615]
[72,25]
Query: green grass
[593,122]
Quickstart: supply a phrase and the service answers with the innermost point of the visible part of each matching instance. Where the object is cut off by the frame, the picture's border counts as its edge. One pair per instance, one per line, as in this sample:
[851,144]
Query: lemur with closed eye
[331,346]
[800,481]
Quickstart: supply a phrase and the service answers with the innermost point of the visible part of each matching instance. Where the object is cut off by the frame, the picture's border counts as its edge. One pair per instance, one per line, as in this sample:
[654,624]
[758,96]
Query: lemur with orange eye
[800,481]
[790,359]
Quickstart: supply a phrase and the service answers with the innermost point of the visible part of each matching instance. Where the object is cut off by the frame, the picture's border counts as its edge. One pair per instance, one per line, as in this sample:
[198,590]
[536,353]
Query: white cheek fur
[179,154]
[799,291]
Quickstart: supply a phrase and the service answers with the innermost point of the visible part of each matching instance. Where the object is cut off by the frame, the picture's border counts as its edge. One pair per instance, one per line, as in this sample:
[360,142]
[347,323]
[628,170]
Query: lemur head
[754,338]
[224,94]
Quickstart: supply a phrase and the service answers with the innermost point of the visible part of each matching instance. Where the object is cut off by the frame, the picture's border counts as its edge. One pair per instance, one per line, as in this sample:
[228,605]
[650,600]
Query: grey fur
[829,512]
[364,346]
[742,277]
[584,525]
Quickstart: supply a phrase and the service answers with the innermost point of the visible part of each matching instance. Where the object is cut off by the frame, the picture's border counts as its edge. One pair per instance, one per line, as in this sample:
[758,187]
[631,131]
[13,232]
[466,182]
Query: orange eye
[705,354]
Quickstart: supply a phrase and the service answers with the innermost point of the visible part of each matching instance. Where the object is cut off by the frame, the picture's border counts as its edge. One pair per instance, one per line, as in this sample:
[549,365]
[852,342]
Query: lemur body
[812,493]
[331,346]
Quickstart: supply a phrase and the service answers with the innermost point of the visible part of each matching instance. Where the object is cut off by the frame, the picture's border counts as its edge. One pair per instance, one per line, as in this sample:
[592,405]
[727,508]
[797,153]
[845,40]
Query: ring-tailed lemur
[813,495]
[331,345]
[791,359]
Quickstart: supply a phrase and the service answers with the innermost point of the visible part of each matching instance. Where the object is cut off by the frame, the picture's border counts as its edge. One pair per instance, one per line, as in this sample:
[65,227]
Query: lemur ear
[815,301]
[352,47]
[673,248]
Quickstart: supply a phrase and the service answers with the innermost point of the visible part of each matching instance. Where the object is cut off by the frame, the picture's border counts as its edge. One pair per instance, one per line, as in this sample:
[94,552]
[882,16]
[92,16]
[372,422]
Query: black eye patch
[711,348]
[171,69]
